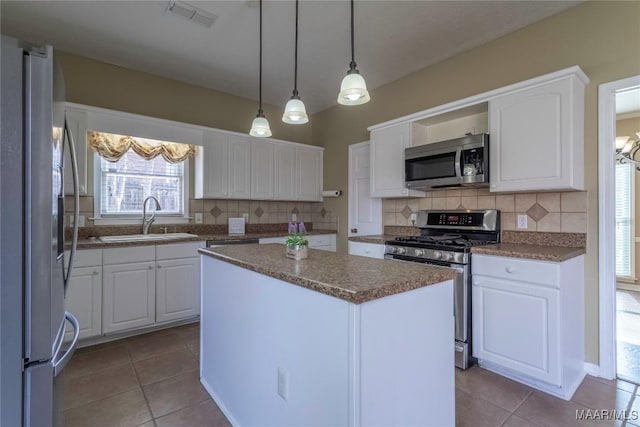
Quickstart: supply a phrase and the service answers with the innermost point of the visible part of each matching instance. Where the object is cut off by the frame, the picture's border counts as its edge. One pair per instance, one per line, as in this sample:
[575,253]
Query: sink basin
[145,237]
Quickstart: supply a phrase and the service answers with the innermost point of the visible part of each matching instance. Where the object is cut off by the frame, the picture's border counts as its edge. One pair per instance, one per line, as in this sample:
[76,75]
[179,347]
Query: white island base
[273,353]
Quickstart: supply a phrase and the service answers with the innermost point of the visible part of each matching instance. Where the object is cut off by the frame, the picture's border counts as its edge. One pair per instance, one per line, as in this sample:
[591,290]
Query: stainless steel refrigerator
[34,273]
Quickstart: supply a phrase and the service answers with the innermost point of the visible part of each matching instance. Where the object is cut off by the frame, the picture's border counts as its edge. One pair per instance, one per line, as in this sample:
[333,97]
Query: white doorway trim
[376,203]
[606,222]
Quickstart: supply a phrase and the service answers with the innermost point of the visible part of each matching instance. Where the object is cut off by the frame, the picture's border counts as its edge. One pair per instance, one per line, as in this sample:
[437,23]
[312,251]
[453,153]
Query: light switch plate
[198,217]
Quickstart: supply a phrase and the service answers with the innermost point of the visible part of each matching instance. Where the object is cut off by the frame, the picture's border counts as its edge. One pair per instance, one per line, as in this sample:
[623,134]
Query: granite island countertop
[352,278]
[530,251]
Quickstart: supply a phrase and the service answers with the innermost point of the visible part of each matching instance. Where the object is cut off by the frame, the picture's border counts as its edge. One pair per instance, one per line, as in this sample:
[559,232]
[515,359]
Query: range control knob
[437,254]
[391,249]
[419,252]
[402,251]
[448,256]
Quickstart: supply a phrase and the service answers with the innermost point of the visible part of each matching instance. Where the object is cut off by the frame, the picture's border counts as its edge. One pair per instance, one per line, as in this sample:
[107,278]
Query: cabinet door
[239,167]
[211,177]
[371,250]
[84,300]
[77,120]
[129,295]
[537,138]
[516,326]
[284,172]
[178,289]
[308,174]
[262,170]
[387,161]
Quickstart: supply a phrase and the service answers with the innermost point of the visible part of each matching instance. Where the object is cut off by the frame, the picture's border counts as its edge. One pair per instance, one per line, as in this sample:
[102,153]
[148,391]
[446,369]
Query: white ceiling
[393,39]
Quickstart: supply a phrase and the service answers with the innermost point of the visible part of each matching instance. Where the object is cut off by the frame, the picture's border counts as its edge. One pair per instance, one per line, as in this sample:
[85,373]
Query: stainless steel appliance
[33,273]
[446,239]
[461,162]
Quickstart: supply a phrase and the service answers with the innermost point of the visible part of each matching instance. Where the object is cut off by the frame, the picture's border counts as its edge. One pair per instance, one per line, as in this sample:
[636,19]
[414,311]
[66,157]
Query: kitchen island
[334,339]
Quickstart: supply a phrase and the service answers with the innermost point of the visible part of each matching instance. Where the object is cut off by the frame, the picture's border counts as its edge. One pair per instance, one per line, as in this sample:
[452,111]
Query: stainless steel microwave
[460,162]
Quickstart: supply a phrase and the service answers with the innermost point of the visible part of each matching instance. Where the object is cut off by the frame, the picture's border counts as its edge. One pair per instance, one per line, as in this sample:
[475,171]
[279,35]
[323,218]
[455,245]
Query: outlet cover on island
[198,217]
[522,221]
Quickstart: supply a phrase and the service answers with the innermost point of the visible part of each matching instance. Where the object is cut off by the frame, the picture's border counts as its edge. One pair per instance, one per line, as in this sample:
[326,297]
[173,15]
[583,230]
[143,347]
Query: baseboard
[219,402]
[592,369]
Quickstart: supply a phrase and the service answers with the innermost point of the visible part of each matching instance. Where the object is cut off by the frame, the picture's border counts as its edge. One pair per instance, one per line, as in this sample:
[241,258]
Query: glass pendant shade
[353,90]
[260,127]
[295,112]
[620,142]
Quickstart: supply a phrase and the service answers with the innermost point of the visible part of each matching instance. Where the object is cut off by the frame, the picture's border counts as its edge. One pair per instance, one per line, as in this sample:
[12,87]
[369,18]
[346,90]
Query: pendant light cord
[295,67]
[353,60]
[260,112]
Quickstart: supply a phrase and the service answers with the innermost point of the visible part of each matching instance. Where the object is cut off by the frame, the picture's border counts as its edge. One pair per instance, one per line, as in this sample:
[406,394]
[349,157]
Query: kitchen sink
[145,237]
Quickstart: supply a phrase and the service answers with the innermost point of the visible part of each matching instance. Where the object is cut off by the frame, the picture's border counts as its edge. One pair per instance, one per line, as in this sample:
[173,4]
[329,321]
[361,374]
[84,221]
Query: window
[122,186]
[624,221]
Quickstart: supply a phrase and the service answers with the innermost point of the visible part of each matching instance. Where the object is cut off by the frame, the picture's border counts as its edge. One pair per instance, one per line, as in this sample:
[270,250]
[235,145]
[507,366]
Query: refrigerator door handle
[76,204]
[60,360]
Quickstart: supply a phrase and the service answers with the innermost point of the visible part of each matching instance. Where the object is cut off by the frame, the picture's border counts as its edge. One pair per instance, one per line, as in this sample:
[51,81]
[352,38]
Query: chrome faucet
[146,223]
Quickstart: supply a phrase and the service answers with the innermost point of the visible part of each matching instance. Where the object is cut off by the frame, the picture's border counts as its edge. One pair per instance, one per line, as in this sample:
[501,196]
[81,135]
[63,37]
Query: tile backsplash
[549,212]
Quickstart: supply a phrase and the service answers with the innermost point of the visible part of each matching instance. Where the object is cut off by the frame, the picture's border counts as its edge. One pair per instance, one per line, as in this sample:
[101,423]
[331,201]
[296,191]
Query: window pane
[127,182]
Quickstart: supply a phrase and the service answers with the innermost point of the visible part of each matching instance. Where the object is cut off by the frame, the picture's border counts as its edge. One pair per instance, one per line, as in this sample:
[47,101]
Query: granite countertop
[96,243]
[379,238]
[352,278]
[530,251]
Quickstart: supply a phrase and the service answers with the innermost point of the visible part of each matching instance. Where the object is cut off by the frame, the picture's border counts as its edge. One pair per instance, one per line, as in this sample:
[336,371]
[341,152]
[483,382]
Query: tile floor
[628,334]
[152,380]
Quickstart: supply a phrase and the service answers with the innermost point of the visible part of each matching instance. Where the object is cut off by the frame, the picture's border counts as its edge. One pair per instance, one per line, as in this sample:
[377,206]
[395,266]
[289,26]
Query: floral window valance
[112,147]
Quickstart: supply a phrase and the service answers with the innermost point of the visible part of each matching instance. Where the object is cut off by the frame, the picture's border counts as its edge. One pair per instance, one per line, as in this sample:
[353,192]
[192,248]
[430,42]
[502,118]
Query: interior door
[365,212]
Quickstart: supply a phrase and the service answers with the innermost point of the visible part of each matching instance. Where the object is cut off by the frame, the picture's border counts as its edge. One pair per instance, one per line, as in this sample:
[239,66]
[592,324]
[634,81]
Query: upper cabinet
[77,121]
[387,161]
[230,166]
[537,140]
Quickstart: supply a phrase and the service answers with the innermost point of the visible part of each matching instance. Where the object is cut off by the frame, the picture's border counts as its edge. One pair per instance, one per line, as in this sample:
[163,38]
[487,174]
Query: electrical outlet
[413,218]
[294,217]
[522,221]
[80,220]
[283,383]
[198,217]
[246,217]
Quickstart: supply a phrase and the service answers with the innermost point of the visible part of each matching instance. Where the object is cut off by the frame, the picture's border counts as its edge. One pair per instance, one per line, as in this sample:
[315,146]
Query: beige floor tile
[597,395]
[494,388]
[473,411]
[168,365]
[124,409]
[89,388]
[621,384]
[194,348]
[516,421]
[145,348]
[204,414]
[175,393]
[549,411]
[98,347]
[94,362]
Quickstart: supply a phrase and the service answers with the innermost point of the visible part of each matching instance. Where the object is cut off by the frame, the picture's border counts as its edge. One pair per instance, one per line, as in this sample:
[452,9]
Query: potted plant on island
[296,241]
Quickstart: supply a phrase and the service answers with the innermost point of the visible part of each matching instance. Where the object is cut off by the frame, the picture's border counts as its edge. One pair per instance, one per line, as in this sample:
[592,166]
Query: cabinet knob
[510,270]
[159,266]
[95,272]
[151,267]
[354,230]
[367,251]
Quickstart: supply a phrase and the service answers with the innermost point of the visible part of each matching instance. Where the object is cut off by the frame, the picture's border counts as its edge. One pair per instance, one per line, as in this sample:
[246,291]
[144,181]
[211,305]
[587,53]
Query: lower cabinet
[84,300]
[177,289]
[528,320]
[371,250]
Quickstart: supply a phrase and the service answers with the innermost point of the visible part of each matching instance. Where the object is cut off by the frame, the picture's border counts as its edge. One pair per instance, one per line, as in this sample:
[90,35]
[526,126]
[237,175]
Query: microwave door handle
[457,163]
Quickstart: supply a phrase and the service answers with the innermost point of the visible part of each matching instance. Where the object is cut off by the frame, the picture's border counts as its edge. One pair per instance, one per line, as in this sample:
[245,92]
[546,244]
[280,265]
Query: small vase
[297,251]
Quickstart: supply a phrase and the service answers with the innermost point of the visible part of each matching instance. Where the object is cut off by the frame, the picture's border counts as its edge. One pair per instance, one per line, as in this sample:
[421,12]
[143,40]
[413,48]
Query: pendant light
[294,112]
[260,125]
[353,90]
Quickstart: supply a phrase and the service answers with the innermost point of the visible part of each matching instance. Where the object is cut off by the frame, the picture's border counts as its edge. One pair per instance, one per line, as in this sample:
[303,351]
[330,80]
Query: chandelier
[627,150]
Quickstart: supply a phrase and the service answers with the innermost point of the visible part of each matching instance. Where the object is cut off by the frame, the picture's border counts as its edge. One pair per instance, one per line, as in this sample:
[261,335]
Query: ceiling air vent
[192,13]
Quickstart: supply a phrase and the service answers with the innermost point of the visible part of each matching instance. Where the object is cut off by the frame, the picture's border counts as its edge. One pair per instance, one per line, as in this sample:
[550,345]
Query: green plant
[296,239]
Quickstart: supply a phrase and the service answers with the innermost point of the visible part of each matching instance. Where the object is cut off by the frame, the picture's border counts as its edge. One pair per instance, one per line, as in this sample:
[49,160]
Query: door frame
[351,192]
[606,222]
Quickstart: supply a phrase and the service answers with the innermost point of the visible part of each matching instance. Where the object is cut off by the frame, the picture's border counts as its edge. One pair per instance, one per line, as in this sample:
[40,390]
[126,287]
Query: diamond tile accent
[259,212]
[323,212]
[460,207]
[537,212]
[406,211]
[215,212]
[295,211]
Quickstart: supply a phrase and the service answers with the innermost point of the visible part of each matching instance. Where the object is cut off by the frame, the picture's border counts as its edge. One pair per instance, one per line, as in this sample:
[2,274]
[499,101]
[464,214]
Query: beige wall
[603,38]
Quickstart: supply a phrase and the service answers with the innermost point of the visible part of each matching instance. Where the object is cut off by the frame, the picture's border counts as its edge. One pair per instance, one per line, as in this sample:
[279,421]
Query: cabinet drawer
[541,272]
[129,254]
[86,258]
[177,250]
[320,240]
[371,250]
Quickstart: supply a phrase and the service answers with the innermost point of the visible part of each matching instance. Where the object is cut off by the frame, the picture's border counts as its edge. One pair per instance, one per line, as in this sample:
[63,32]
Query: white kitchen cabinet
[128,288]
[308,177]
[177,281]
[77,121]
[537,136]
[223,167]
[387,162]
[371,250]
[528,320]
[84,295]
[262,170]
[284,172]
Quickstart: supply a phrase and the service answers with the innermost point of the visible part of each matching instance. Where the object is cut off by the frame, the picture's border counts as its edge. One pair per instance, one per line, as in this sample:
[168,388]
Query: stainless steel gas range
[446,239]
